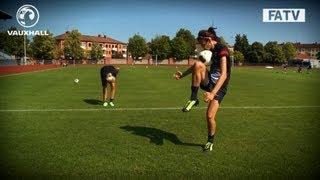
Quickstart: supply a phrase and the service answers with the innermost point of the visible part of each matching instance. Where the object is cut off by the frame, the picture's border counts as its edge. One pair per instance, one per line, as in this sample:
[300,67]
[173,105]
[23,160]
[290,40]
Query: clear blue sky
[121,19]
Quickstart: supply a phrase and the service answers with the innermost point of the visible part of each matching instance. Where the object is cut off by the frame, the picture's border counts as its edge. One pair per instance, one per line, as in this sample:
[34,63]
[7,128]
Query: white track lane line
[144,109]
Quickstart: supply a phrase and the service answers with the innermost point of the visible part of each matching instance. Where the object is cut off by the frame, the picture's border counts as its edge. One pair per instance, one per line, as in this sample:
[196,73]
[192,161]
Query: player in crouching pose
[214,82]
[108,76]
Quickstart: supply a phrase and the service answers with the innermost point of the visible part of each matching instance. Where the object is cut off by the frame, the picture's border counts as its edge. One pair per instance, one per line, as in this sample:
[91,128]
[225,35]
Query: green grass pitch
[60,130]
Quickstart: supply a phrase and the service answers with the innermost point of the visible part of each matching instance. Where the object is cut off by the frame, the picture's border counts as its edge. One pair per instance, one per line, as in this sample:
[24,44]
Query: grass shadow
[156,136]
[93,101]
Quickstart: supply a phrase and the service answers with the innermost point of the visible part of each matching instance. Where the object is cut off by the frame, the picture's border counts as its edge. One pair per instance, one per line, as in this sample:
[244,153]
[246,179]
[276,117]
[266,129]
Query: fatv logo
[284,15]
[27,16]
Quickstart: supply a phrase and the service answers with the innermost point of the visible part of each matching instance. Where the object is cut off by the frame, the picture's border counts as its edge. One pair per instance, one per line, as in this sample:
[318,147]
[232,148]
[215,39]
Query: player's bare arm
[210,95]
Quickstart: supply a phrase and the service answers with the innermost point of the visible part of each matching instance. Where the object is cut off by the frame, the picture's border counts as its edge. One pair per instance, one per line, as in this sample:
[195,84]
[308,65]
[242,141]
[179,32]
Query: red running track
[4,70]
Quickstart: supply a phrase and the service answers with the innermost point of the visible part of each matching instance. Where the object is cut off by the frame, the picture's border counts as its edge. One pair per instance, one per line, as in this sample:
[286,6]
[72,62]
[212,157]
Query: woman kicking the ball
[214,82]
[108,75]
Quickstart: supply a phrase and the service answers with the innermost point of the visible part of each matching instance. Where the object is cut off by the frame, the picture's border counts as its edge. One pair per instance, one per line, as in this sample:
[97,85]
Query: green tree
[57,52]
[43,47]
[238,57]
[222,41]
[72,45]
[242,44]
[253,57]
[256,53]
[274,53]
[86,53]
[96,52]
[160,46]
[318,55]
[13,45]
[137,46]
[117,55]
[289,51]
[190,40]
[237,44]
[180,49]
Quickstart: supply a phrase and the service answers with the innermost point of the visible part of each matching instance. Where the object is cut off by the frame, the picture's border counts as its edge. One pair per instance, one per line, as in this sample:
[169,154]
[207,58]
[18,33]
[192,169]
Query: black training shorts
[209,87]
[106,70]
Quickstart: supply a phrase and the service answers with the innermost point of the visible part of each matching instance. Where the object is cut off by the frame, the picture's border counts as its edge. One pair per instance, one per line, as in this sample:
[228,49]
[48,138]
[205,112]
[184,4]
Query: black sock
[210,138]
[194,92]
[111,100]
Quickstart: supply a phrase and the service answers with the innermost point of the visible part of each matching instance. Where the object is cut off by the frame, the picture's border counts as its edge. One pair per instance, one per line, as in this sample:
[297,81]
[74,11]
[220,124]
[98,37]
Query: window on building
[89,44]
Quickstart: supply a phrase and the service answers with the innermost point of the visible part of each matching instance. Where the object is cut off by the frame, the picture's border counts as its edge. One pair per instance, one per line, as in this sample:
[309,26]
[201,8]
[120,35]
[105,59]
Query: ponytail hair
[210,33]
[212,30]
[213,34]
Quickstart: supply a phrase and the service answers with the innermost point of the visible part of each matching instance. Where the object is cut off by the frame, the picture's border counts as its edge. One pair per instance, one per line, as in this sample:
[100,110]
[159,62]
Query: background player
[108,75]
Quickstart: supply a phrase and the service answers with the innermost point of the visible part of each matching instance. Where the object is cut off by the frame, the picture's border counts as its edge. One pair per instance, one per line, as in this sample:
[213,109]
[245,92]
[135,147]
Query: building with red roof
[110,46]
[310,50]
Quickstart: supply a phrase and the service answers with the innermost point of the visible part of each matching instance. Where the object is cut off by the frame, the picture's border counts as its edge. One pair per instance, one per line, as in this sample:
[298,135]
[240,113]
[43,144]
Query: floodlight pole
[156,60]
[232,60]
[24,50]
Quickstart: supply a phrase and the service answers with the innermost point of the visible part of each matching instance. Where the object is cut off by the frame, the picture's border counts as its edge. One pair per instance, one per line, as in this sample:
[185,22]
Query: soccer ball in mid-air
[76,80]
[110,78]
[205,57]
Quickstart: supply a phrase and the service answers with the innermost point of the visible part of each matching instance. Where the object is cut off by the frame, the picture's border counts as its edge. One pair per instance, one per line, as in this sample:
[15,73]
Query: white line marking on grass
[160,108]
[29,72]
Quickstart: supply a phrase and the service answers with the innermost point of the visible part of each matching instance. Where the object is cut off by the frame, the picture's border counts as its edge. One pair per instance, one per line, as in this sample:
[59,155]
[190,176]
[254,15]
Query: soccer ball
[205,57]
[76,80]
[110,78]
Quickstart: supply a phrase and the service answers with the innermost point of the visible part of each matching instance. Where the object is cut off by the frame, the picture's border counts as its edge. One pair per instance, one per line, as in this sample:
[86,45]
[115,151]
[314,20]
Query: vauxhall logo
[27,16]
